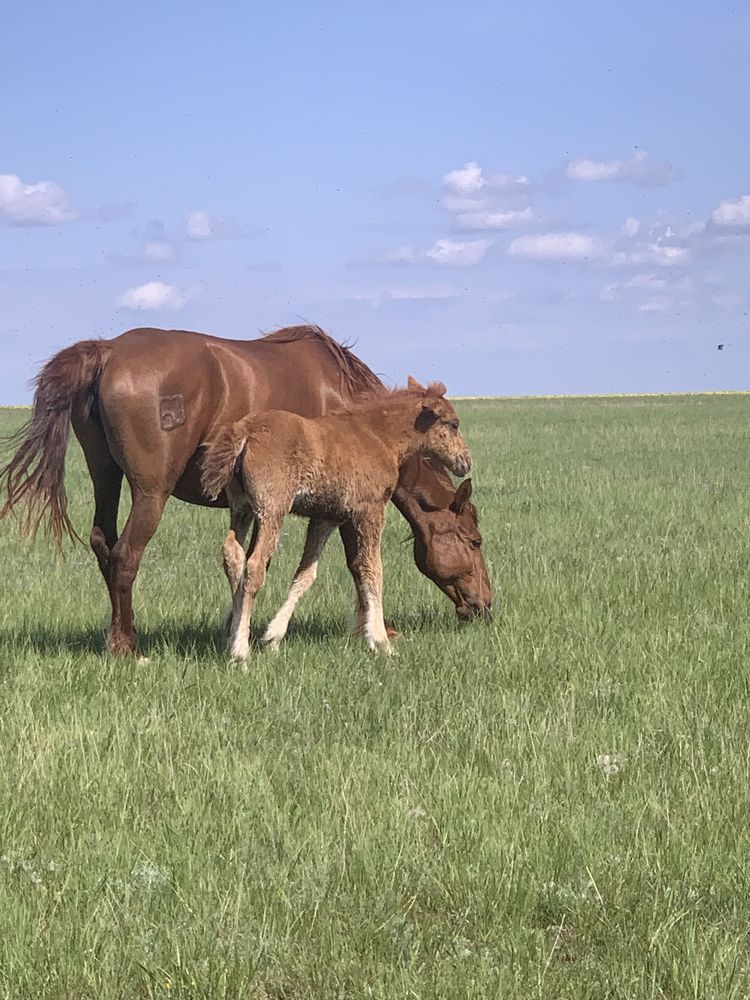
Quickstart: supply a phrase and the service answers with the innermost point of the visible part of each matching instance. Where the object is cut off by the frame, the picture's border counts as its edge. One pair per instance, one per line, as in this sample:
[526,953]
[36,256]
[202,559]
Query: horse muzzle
[472,610]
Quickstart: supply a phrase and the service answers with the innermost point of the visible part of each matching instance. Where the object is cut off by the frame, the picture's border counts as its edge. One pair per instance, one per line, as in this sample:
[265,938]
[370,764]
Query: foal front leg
[318,532]
[253,577]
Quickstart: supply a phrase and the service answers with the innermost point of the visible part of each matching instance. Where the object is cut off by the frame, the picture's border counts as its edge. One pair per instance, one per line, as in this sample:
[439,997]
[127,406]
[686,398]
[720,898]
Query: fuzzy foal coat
[339,470]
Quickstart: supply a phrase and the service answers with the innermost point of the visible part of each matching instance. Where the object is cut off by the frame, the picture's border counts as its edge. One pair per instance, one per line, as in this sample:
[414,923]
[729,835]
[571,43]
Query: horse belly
[317,502]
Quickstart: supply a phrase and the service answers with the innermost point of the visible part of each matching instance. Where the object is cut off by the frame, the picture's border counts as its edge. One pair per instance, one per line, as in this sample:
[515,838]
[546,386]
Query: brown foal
[339,471]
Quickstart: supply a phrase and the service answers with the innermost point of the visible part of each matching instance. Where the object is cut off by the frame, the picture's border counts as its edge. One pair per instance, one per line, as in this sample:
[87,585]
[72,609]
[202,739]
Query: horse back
[164,392]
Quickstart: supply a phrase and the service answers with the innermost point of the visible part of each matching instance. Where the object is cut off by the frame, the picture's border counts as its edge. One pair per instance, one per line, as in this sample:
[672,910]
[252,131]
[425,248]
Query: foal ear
[414,386]
[462,497]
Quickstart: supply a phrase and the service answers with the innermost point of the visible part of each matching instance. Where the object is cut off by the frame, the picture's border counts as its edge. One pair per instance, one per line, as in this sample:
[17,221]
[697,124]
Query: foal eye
[453,425]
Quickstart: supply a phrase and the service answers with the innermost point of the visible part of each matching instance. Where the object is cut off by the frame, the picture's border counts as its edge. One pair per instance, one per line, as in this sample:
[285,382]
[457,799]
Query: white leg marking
[277,627]
[318,533]
[374,629]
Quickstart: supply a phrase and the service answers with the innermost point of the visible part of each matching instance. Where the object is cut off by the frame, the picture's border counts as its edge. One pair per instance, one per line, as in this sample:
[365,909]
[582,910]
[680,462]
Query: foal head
[438,422]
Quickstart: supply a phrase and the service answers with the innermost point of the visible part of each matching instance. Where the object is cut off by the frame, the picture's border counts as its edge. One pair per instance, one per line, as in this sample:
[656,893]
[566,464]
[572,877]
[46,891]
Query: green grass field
[556,805]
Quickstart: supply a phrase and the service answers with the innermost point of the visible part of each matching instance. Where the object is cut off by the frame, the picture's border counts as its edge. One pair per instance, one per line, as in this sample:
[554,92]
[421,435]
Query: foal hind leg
[234,562]
[267,535]
[125,558]
[318,532]
[241,518]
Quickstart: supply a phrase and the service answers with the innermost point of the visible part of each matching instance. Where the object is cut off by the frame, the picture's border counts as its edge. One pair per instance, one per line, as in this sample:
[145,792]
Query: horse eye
[476,543]
[453,425]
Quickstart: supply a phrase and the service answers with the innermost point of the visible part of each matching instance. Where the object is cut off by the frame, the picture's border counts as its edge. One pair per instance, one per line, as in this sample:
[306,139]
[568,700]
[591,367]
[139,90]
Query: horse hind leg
[124,561]
[106,478]
[104,531]
[318,532]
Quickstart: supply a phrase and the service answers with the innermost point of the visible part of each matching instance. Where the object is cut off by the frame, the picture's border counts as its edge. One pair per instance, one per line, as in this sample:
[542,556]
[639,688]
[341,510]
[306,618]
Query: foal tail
[34,478]
[220,458]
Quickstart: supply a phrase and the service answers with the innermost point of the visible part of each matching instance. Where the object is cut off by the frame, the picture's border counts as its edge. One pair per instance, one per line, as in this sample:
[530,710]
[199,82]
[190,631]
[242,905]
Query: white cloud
[408,293]
[486,201]
[459,253]
[158,250]
[651,282]
[494,220]
[630,227]
[556,246]
[591,170]
[661,254]
[153,295]
[640,169]
[199,225]
[42,204]
[469,179]
[656,306]
[733,213]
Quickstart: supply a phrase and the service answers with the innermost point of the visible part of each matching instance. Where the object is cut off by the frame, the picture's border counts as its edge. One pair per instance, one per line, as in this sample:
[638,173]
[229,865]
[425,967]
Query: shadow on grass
[203,639]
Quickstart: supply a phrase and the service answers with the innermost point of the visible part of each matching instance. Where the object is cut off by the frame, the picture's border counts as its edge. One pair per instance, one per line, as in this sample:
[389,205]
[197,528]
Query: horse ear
[462,497]
[437,389]
[414,386]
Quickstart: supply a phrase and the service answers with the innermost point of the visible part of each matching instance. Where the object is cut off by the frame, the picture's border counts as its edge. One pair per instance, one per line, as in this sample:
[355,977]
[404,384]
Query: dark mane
[356,375]
[387,396]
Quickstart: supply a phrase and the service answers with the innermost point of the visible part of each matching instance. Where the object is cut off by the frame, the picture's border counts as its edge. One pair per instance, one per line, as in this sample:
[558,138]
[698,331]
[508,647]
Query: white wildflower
[611,763]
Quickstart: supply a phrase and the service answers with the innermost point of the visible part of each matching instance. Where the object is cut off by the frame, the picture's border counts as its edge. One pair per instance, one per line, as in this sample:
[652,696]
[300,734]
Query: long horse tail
[34,478]
[220,458]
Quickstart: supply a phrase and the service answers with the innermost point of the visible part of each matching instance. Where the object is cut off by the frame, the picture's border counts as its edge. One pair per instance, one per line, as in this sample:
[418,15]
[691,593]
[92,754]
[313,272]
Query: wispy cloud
[409,293]
[655,252]
[199,225]
[511,219]
[459,253]
[486,201]
[568,246]
[44,203]
[640,168]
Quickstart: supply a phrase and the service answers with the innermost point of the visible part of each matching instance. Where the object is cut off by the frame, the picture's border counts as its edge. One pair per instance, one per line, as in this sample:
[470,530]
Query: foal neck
[394,423]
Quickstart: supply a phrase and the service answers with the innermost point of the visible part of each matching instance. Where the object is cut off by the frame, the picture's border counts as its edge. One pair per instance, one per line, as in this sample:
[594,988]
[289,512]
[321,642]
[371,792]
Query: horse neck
[422,480]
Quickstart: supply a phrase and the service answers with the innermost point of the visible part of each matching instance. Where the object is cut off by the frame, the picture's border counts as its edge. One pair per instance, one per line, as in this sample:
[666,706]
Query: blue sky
[515,198]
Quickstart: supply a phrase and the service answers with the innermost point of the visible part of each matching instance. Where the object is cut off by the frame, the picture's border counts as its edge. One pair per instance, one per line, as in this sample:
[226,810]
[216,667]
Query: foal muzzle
[462,465]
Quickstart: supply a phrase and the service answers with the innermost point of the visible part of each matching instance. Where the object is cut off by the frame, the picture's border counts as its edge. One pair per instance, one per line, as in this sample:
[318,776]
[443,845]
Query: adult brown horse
[142,404]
